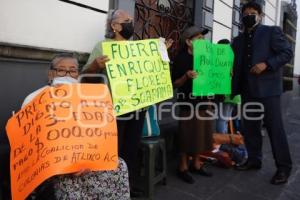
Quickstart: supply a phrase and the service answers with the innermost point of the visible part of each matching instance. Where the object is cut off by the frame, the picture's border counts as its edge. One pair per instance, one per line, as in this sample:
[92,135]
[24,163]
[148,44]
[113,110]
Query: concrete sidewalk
[229,184]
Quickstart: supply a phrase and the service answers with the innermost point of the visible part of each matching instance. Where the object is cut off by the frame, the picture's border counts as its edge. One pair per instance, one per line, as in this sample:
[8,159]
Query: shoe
[248,166]
[185,176]
[202,171]
[280,177]
[136,193]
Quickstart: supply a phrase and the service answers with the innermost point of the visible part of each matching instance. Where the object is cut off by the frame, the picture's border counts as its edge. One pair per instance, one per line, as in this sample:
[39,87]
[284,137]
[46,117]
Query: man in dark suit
[260,52]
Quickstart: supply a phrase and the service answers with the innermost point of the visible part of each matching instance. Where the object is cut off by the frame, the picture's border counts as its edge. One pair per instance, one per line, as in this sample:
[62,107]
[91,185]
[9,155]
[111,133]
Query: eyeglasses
[61,72]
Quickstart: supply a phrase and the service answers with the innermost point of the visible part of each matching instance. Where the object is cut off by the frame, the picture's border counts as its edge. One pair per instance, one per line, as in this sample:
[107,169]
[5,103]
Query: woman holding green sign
[119,27]
[195,134]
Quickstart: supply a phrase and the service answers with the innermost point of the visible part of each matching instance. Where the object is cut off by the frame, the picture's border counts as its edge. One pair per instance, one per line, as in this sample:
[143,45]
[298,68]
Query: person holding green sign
[195,135]
[120,28]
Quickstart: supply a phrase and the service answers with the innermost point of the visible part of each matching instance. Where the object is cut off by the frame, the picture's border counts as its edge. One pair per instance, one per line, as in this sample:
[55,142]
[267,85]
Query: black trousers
[130,128]
[274,125]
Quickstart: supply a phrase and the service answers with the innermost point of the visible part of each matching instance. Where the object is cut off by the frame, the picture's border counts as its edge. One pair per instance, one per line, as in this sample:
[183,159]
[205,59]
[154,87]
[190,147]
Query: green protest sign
[213,63]
[137,74]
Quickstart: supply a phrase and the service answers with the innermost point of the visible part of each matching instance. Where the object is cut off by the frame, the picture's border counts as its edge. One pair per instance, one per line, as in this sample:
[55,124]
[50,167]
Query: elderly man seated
[85,184]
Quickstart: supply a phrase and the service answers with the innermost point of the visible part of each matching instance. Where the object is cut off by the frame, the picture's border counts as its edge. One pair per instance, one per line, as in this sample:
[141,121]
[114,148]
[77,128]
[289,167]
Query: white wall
[99,4]
[52,24]
[222,24]
[278,12]
[269,22]
[270,12]
[220,32]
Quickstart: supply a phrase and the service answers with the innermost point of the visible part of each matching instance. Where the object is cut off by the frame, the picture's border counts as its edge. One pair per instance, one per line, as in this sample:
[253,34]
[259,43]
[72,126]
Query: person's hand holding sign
[100,62]
[191,74]
[97,64]
[169,43]
[258,68]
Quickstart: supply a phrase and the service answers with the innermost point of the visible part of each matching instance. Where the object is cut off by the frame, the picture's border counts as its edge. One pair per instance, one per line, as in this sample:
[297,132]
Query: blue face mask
[64,80]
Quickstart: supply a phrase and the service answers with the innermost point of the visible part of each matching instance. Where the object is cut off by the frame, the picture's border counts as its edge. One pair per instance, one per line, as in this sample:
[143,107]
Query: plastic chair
[154,159]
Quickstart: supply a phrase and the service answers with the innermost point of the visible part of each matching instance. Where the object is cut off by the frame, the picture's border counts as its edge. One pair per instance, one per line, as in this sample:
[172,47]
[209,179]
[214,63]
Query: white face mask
[64,80]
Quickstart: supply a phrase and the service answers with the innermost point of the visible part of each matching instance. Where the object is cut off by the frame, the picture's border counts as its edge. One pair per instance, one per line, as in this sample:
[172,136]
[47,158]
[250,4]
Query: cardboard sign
[62,130]
[213,63]
[137,74]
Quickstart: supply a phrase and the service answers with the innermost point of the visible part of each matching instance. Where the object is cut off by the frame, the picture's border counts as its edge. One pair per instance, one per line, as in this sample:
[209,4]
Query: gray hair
[111,16]
[59,57]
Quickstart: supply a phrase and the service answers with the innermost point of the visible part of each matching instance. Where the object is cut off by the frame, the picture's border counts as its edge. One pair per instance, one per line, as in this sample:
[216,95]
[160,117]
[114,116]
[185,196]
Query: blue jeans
[237,124]
[224,115]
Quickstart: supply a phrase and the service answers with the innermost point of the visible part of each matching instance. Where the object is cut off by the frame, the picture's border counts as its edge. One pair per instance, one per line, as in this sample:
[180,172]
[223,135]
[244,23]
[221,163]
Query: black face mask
[249,21]
[127,30]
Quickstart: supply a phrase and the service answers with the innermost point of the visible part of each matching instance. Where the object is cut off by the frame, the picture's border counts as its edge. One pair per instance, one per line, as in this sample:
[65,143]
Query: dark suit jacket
[270,46]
